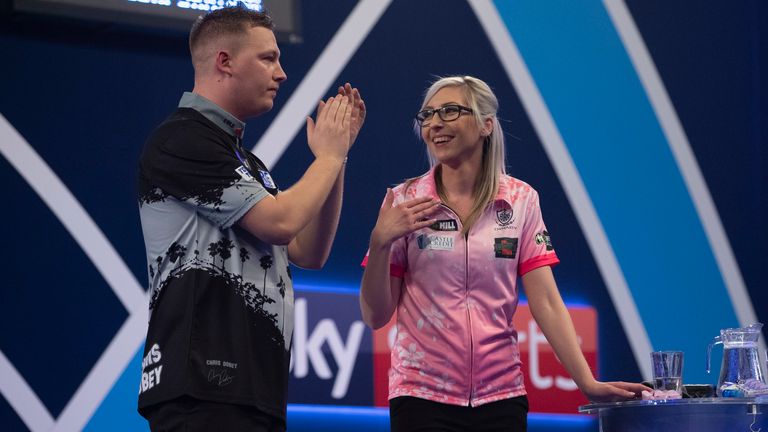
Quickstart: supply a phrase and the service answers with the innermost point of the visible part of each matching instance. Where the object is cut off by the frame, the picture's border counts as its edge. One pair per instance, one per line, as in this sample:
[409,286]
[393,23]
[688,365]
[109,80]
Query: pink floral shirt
[455,342]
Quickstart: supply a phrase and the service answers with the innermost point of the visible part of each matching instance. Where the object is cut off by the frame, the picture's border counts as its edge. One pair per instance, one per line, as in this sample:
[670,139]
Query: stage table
[695,414]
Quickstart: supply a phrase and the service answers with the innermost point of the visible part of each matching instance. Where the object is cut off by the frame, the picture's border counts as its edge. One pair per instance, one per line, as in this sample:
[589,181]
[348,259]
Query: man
[220,236]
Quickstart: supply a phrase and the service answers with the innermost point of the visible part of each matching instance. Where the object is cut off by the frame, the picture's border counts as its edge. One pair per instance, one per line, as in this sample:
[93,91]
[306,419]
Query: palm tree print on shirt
[213,250]
[179,259]
[281,290]
[266,263]
[221,248]
[152,269]
[225,246]
[175,252]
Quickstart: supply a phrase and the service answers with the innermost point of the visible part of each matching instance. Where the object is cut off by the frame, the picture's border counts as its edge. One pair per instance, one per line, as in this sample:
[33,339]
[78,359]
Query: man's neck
[216,93]
[214,112]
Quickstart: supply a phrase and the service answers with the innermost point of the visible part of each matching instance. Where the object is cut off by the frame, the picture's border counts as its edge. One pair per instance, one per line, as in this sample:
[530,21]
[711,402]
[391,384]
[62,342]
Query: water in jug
[741,360]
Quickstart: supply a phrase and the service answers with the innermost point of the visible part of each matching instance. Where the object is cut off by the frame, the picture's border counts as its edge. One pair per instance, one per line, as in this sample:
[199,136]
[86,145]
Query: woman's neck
[456,189]
[458,182]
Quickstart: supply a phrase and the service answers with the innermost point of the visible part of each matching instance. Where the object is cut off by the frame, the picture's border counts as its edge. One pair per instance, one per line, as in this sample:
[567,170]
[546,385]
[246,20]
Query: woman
[445,253]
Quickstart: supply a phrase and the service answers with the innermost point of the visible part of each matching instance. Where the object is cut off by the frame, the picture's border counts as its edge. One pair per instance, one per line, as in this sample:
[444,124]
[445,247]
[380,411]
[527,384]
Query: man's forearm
[312,245]
[279,219]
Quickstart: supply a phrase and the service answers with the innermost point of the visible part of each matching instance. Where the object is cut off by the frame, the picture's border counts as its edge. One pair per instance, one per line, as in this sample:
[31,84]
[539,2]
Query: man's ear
[224,62]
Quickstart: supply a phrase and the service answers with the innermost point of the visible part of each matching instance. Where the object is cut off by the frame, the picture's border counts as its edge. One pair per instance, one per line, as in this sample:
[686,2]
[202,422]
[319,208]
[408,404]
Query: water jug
[741,358]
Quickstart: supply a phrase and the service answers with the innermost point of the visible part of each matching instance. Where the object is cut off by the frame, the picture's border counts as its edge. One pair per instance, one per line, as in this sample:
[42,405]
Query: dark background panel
[57,313]
[713,60]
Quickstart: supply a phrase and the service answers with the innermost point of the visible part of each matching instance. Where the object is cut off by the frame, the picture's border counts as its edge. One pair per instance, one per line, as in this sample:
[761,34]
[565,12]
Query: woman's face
[452,142]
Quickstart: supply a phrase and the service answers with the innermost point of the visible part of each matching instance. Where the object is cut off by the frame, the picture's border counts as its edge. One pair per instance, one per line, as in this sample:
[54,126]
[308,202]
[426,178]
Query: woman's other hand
[613,391]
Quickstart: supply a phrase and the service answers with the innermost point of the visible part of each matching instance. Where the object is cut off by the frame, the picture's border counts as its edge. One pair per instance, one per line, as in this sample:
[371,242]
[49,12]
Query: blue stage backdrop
[642,124]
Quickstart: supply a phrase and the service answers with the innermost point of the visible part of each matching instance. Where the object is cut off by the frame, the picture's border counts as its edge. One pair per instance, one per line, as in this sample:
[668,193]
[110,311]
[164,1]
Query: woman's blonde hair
[484,105]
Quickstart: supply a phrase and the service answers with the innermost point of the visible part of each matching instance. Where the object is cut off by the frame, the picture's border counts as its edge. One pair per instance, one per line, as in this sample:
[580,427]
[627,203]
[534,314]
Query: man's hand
[358,111]
[329,137]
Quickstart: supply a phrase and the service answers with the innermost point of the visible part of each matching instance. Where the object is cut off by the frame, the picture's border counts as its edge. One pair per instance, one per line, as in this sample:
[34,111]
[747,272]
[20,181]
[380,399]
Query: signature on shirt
[220,377]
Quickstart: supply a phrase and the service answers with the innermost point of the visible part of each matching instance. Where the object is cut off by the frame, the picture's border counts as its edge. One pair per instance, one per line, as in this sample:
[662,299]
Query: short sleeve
[197,167]
[536,248]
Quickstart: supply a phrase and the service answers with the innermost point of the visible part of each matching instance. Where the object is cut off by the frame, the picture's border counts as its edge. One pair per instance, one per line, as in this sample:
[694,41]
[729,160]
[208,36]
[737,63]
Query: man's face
[256,72]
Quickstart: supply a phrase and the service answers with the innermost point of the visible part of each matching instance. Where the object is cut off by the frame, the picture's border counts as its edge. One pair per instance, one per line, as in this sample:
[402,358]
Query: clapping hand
[329,135]
[358,111]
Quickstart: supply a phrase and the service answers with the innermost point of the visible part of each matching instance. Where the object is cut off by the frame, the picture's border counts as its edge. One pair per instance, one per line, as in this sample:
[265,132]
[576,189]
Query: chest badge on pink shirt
[445,225]
[435,242]
[505,247]
[504,216]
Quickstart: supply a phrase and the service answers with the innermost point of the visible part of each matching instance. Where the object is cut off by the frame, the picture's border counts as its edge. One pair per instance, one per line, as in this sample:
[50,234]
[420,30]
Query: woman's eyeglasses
[446,112]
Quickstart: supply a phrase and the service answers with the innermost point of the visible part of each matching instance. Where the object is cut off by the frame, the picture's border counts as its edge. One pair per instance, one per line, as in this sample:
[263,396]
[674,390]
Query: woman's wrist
[377,243]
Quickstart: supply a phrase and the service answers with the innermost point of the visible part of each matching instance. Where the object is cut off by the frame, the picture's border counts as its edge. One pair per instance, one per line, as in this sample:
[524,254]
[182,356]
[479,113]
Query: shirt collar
[428,187]
[226,121]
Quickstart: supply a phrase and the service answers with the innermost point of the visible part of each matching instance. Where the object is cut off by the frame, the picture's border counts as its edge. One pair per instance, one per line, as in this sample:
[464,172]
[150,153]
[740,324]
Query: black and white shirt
[221,305]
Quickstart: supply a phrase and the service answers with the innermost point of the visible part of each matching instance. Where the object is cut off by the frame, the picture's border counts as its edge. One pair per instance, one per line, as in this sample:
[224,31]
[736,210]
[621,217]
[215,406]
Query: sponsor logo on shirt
[445,225]
[543,238]
[244,173]
[151,377]
[267,179]
[505,247]
[435,242]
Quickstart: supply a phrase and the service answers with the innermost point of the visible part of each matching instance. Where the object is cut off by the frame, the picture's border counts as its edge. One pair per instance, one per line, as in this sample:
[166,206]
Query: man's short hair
[229,21]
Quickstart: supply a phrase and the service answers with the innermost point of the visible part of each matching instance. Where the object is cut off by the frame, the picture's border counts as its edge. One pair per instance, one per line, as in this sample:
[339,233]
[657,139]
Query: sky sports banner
[338,360]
